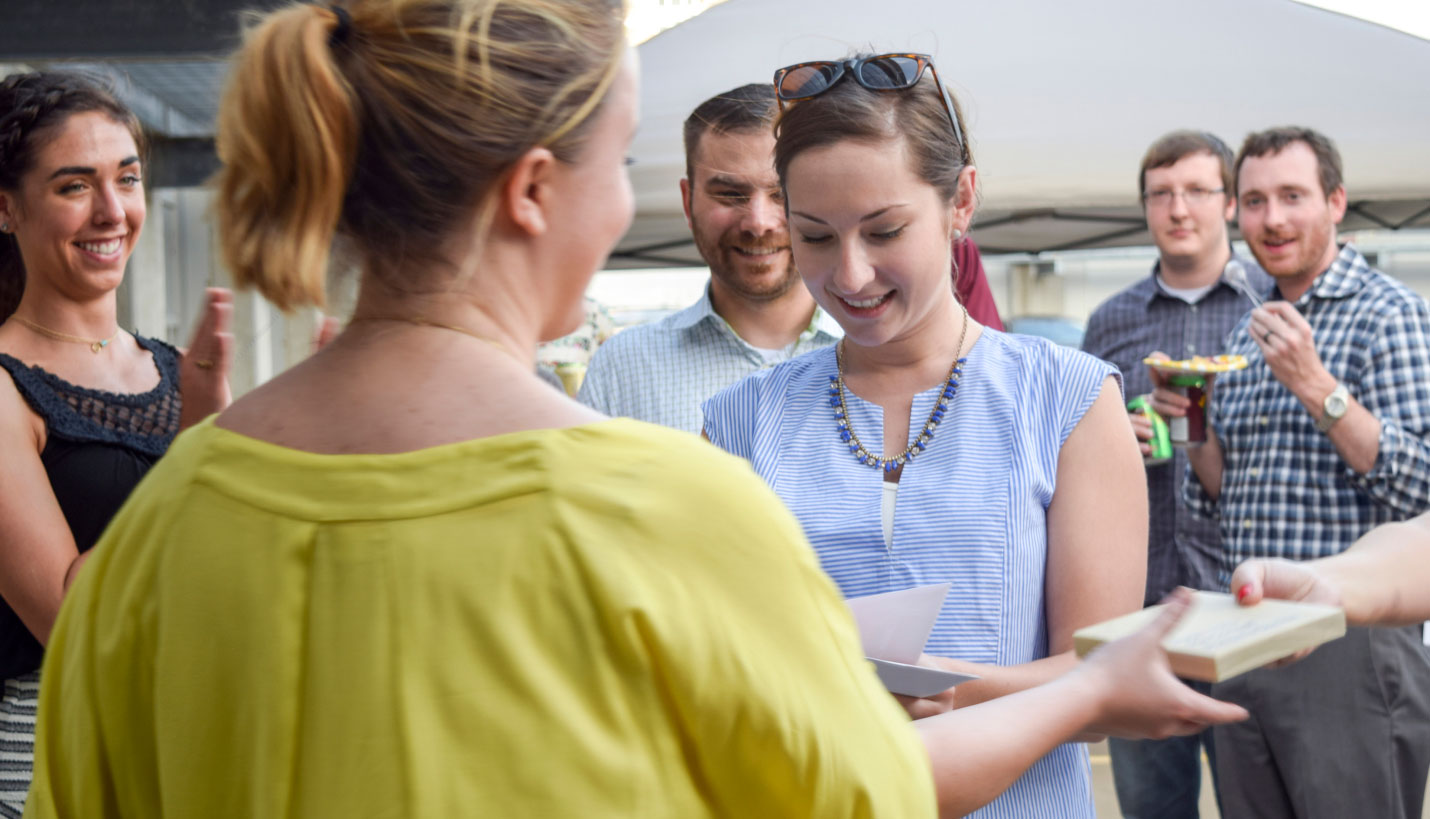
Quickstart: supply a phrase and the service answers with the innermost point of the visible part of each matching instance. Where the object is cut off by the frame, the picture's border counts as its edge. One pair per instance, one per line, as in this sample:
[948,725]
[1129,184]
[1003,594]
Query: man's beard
[747,280]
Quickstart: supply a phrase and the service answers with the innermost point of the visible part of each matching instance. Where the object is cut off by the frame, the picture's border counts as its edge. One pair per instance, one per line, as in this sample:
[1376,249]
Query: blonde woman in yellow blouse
[407,578]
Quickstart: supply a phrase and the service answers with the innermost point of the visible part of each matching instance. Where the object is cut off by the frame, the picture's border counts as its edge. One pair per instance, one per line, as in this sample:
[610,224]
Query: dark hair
[849,111]
[390,121]
[747,108]
[1169,149]
[1274,140]
[31,104]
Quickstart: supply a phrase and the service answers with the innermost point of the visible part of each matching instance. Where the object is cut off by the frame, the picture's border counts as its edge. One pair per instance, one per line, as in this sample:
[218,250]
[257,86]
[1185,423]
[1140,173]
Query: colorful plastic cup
[1191,429]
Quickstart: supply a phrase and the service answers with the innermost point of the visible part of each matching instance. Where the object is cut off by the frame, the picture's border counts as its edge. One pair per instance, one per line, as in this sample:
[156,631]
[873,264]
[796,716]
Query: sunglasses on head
[880,72]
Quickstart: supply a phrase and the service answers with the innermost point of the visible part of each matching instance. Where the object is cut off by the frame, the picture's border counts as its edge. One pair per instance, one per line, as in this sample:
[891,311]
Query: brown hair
[747,108]
[389,121]
[849,111]
[1169,149]
[1274,140]
[31,104]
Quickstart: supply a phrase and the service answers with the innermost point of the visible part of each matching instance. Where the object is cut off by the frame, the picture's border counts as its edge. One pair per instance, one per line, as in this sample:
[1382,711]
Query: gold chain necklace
[95,345]
[422,322]
[921,441]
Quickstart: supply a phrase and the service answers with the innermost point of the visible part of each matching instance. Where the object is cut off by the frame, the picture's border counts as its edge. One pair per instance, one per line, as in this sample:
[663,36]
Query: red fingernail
[1243,592]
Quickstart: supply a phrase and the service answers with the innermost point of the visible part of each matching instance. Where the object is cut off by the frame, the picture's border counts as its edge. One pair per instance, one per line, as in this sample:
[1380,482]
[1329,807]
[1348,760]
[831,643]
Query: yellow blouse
[612,620]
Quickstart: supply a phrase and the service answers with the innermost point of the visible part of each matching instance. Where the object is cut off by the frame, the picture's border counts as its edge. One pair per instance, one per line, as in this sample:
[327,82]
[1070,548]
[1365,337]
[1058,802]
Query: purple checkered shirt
[1182,549]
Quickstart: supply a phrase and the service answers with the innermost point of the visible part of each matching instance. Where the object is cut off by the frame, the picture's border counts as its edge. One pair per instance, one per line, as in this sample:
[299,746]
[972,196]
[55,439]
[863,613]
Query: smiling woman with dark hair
[86,408]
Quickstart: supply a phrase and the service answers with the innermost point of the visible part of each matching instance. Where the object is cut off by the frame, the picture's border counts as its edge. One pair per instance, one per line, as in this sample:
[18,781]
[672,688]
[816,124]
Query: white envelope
[894,626]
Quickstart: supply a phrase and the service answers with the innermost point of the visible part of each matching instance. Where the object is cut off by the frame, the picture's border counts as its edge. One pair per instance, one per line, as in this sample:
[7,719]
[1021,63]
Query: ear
[965,200]
[1230,215]
[1337,201]
[8,209]
[527,195]
[685,199]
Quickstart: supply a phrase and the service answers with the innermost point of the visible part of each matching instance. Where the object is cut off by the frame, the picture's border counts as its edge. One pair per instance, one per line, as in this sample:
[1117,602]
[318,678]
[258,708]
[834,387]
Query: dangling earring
[5,227]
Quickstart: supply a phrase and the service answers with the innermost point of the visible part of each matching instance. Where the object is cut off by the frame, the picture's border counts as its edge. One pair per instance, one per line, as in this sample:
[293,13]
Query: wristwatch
[1333,408]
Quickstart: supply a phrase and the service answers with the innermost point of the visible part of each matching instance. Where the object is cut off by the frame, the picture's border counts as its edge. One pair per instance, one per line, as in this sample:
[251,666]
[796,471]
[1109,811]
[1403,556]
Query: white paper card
[894,626]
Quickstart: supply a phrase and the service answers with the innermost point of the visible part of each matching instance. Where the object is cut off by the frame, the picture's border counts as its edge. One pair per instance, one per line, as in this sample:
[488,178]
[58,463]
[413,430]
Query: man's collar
[1152,287]
[695,313]
[703,310]
[824,323]
[1347,274]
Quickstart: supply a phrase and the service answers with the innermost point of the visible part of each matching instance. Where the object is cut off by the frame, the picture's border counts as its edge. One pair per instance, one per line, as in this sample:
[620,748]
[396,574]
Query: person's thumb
[1174,607]
[1248,582]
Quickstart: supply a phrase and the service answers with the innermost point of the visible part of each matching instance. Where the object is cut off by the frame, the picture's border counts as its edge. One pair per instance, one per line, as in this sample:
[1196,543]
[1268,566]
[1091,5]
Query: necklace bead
[921,441]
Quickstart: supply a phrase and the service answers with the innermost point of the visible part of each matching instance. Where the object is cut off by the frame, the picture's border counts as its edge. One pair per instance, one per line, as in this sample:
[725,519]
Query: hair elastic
[344,27]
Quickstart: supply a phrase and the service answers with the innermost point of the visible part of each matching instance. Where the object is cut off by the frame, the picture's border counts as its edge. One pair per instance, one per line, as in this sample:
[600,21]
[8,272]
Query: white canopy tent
[1062,98]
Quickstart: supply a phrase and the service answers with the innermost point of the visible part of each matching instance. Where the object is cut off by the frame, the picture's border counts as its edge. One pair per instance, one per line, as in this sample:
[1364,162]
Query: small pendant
[99,345]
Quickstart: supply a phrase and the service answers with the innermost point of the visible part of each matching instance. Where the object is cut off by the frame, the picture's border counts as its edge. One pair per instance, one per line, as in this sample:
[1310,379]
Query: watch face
[1336,403]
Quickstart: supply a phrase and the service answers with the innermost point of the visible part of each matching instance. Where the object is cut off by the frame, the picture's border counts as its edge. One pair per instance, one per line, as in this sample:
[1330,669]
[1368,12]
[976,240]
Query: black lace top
[99,444]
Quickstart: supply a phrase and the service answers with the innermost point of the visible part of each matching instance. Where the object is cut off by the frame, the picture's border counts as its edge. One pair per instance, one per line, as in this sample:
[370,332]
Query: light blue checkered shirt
[661,372]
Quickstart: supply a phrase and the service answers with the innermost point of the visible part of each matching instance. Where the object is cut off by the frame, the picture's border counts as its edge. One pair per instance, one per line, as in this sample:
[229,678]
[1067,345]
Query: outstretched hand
[205,365]
[1282,579]
[1139,695]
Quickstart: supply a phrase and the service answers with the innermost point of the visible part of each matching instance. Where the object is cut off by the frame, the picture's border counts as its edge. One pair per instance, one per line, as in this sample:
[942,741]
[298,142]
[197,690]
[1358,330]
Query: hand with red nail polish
[1383,579]
[1283,580]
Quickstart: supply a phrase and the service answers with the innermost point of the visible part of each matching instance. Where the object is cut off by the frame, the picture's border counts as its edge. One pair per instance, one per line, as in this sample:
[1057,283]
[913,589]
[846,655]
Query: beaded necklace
[921,441]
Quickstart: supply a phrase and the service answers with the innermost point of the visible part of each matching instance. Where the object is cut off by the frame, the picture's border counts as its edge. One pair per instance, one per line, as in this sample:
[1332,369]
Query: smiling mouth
[758,252]
[865,304]
[104,248]
[1277,243]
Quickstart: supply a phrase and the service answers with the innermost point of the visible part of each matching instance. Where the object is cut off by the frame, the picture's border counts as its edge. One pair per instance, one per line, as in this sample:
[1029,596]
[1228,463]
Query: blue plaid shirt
[1286,492]
[1182,549]
[661,372]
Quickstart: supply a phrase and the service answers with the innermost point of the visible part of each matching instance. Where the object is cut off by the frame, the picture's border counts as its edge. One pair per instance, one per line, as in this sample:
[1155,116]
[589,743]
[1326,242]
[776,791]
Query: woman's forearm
[1000,681]
[977,753]
[1384,579]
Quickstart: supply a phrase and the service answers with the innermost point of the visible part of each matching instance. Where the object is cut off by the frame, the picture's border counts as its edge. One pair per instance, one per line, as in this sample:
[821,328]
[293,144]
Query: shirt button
[1191,348]
[1263,420]
[1193,308]
[1256,472]
[1246,523]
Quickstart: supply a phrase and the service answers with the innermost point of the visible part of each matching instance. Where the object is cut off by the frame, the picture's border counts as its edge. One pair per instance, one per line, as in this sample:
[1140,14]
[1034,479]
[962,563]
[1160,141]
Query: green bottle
[1161,442]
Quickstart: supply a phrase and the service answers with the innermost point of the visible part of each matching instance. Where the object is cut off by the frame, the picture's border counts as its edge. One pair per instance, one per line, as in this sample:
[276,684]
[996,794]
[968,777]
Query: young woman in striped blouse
[925,448]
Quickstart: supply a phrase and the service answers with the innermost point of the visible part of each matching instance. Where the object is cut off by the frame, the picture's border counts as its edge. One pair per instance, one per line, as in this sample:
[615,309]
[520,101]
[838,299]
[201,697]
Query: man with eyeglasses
[1185,307]
[756,311]
[1325,435]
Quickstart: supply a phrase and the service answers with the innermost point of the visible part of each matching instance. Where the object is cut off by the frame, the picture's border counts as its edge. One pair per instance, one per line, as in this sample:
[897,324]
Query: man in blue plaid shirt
[1186,306]
[1322,437]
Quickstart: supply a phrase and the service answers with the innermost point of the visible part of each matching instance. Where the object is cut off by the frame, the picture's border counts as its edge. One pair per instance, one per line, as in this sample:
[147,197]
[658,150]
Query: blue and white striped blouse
[971,510]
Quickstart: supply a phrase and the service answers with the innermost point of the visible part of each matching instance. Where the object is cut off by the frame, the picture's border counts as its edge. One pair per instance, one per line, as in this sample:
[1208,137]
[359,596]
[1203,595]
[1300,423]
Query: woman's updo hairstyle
[31,105]
[389,121]
[850,112]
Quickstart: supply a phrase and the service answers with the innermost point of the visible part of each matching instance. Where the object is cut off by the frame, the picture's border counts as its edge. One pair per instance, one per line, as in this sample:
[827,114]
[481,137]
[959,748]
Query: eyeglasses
[1162,197]
[880,72]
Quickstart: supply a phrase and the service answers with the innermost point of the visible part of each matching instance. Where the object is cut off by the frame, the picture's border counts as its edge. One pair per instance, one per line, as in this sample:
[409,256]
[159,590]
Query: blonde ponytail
[390,124]
[287,138]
